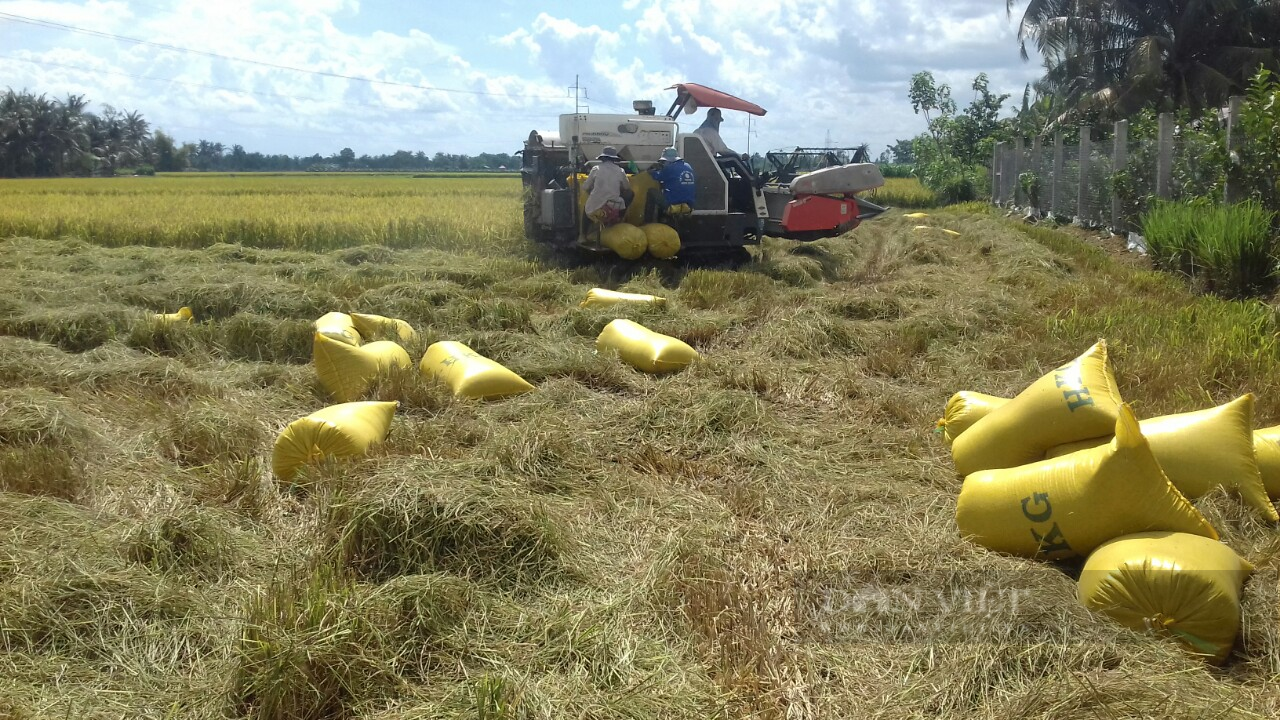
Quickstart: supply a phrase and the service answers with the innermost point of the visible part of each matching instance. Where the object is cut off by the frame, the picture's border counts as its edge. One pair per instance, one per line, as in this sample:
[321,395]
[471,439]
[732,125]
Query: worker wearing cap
[675,176]
[608,190]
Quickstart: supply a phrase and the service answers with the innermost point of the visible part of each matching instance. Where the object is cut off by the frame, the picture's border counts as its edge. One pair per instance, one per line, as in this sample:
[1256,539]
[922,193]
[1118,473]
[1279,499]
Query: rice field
[903,193]
[301,211]
[769,533]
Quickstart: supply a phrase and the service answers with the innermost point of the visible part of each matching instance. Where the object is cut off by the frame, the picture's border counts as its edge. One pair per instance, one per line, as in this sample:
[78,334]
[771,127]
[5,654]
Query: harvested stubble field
[768,534]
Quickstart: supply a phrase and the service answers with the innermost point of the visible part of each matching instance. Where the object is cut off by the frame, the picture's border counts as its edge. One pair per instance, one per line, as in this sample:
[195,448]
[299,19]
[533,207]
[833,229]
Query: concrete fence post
[1057,196]
[1120,158]
[1082,196]
[1019,149]
[995,173]
[1037,167]
[1233,192]
[1164,158]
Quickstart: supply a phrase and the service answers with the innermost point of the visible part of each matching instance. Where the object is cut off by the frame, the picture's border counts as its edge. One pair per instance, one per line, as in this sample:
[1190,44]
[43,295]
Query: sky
[469,76]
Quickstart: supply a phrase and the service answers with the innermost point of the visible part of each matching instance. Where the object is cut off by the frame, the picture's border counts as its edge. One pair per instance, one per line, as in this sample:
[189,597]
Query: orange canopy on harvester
[709,97]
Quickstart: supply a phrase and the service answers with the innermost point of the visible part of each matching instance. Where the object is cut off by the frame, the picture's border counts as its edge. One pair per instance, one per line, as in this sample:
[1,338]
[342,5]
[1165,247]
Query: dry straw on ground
[767,534]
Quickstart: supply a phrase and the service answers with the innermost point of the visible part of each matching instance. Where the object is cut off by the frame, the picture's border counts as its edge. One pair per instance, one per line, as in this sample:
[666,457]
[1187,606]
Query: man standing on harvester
[676,178]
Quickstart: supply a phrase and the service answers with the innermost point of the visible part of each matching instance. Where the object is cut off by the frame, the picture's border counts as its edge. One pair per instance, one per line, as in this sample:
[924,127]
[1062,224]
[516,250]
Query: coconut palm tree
[1116,56]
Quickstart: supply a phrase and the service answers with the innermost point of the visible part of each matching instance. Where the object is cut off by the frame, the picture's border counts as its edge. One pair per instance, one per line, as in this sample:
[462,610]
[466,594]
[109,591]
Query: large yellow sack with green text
[468,373]
[338,326]
[599,297]
[342,430]
[1067,506]
[644,349]
[384,328]
[662,239]
[1202,450]
[641,183]
[1185,586]
[1266,448]
[1077,401]
[964,409]
[625,239]
[347,371]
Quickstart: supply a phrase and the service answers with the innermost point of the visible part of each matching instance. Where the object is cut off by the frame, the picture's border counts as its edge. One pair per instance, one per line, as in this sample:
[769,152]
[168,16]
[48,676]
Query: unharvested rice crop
[300,211]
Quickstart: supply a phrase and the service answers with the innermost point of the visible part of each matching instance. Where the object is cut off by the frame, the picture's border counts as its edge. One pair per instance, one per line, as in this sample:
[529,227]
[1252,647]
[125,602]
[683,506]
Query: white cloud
[819,66]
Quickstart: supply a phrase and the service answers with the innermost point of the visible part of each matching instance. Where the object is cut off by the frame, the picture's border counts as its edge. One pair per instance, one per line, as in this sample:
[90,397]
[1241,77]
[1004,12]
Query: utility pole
[579,97]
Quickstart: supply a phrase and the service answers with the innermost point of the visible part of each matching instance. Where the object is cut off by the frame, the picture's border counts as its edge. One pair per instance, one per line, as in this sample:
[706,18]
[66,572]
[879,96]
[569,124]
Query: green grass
[769,533]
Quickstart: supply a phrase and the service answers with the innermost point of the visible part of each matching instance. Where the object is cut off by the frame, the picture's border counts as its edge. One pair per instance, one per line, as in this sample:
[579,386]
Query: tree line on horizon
[50,137]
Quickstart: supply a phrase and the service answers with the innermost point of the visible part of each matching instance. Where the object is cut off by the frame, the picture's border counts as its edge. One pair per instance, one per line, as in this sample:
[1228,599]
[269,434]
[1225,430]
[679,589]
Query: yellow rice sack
[468,373]
[1171,583]
[643,348]
[342,430]
[641,183]
[1266,448]
[184,315]
[1077,401]
[663,240]
[625,239]
[964,409]
[385,328]
[599,297]
[1202,450]
[338,326]
[1067,506]
[347,371]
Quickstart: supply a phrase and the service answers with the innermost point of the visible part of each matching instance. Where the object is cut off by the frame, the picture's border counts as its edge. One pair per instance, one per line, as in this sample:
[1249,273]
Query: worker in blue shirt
[676,179]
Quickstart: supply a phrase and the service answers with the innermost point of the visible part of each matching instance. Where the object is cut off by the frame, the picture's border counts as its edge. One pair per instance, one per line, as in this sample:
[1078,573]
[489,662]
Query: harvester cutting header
[733,205]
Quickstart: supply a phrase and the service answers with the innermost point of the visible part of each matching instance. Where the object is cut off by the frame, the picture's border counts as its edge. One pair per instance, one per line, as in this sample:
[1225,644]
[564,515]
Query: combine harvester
[733,208]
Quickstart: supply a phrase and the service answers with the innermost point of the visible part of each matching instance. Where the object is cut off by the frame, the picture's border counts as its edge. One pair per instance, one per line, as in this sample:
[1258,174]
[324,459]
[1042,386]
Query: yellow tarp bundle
[964,409]
[643,348]
[662,239]
[183,315]
[1184,585]
[625,239]
[342,430]
[599,297]
[347,371]
[1266,448]
[468,373]
[385,328]
[1067,506]
[338,326]
[641,183]
[1202,450]
[1077,401]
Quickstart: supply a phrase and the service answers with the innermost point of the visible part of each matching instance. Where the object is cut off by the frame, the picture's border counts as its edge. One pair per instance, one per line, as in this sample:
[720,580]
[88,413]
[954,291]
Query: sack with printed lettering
[1077,401]
[1067,506]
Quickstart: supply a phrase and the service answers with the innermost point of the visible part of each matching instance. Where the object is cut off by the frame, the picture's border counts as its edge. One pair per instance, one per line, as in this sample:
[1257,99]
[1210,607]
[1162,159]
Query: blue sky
[476,76]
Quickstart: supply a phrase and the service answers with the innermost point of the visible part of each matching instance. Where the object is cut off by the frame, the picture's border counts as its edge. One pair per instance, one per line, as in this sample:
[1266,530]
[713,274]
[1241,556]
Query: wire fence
[1110,183]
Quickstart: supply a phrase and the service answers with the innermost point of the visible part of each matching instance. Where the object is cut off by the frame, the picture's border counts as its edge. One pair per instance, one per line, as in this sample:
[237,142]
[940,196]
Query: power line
[323,73]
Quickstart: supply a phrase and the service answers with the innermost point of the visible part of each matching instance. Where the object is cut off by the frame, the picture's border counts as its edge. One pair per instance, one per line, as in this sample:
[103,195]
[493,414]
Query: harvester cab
[734,206]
